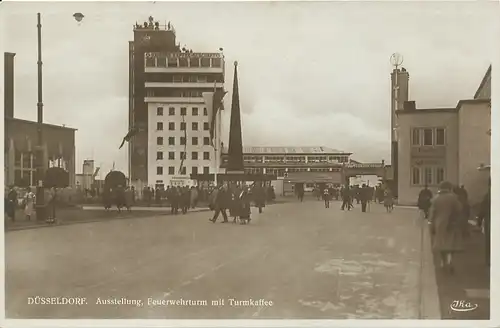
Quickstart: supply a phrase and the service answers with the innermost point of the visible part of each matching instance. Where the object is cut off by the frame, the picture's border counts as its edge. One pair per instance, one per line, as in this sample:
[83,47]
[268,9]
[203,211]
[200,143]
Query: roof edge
[483,81]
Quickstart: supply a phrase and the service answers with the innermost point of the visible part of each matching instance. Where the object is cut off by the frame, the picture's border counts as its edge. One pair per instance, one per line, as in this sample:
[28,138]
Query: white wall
[153,118]
[408,194]
[475,148]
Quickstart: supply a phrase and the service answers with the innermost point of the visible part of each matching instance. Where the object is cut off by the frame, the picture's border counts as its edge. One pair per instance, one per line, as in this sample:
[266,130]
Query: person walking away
[51,206]
[186,199]
[234,208]
[388,200]
[259,196]
[212,199]
[364,195]
[13,203]
[194,197]
[464,202]
[326,197]
[301,194]
[424,201]
[446,222]
[245,210]
[29,201]
[346,201]
[106,198]
[222,201]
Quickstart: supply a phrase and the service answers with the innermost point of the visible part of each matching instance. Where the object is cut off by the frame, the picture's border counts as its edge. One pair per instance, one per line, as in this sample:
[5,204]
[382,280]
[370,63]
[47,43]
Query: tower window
[206,141]
[171,170]
[195,111]
[159,170]
[159,126]
[171,141]
[159,141]
[171,111]
[205,112]
[206,127]
[194,126]
[171,126]
[159,111]
[195,141]
[194,155]
[440,137]
[171,155]
[183,111]
[159,155]
[206,155]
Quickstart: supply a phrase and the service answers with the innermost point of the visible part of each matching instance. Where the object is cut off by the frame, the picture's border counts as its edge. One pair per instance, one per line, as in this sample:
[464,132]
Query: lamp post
[40,155]
[396,61]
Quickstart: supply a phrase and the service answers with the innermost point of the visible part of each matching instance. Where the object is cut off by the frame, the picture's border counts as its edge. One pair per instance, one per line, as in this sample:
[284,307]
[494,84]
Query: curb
[96,220]
[430,307]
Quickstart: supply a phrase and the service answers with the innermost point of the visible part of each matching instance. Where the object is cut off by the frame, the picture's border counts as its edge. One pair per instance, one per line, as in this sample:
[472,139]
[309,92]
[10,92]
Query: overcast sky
[311,74]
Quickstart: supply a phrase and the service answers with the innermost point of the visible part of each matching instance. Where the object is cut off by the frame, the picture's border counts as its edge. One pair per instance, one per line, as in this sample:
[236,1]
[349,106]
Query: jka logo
[463,306]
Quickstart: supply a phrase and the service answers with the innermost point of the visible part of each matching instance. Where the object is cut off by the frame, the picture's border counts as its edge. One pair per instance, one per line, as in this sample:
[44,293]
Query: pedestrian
[364,196]
[485,218]
[185,199]
[194,197]
[346,198]
[447,224]
[12,197]
[245,210]
[424,201]
[29,203]
[388,200]
[326,197]
[222,202]
[129,198]
[259,196]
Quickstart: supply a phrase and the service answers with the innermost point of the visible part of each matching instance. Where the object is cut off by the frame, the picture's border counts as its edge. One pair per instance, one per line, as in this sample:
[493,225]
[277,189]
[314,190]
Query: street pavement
[309,261]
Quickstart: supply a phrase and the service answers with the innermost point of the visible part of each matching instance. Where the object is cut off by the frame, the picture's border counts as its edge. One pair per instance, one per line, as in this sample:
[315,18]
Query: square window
[415,178]
[183,111]
[427,137]
[183,141]
[172,62]
[205,112]
[159,111]
[206,127]
[194,155]
[194,126]
[206,141]
[159,141]
[183,62]
[171,111]
[159,155]
[205,62]
[171,155]
[440,136]
[415,137]
[194,62]
[171,126]
[171,170]
[159,170]
[161,61]
[216,62]
[183,126]
[171,141]
[206,170]
[159,126]
[194,141]
[195,111]
[194,170]
[206,155]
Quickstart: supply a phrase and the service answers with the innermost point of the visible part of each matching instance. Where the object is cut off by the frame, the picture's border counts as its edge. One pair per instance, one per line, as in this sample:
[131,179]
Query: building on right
[437,144]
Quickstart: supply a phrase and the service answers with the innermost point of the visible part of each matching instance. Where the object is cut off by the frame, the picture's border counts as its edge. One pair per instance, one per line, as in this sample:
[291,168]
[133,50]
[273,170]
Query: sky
[310,74]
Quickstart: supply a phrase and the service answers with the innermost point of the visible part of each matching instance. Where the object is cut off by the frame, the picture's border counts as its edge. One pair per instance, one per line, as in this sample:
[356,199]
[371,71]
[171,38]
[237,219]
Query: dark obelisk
[235,152]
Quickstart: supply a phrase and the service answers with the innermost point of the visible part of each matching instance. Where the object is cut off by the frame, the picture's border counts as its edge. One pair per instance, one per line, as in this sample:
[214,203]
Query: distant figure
[484,220]
[12,200]
[29,201]
[245,210]
[388,200]
[364,196]
[345,193]
[194,196]
[129,198]
[447,225]
[424,201]
[222,202]
[326,197]
[259,196]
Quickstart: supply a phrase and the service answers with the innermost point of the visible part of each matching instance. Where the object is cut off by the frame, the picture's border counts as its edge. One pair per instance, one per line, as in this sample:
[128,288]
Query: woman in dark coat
[245,211]
[447,224]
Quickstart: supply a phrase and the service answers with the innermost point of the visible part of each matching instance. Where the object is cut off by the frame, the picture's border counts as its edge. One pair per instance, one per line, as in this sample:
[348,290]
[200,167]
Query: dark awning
[234,177]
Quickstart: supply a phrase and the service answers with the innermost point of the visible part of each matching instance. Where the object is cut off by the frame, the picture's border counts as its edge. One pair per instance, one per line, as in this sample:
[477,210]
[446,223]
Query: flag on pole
[214,103]
[132,132]
[185,145]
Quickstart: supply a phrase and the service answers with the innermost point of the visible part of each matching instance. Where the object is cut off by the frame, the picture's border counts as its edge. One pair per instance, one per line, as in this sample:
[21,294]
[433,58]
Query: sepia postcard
[249,163]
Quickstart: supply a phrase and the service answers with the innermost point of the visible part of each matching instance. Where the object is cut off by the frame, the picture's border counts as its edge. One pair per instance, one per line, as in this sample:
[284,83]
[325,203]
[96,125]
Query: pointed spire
[235,152]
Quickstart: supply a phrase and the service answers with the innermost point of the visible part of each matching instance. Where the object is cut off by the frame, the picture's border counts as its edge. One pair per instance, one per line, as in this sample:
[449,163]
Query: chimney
[9,84]
[409,105]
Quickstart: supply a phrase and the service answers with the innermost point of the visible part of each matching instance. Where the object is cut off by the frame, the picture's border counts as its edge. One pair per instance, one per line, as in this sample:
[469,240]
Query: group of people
[236,198]
[27,202]
[364,195]
[448,214]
